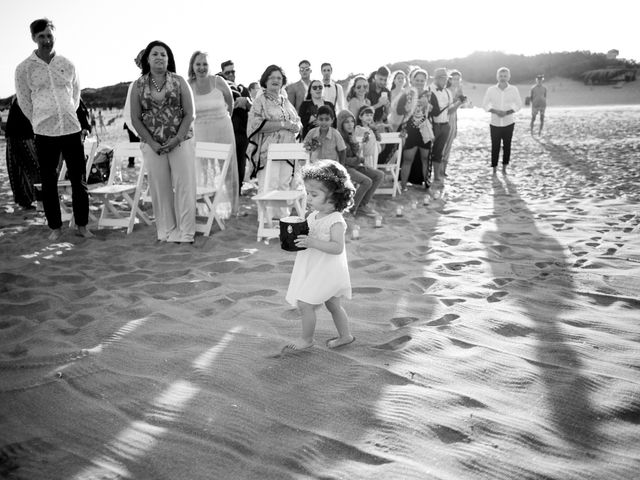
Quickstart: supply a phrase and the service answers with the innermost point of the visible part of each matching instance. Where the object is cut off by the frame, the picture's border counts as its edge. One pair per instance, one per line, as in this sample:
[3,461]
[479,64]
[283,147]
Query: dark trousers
[440,136]
[49,150]
[241,151]
[504,135]
[132,138]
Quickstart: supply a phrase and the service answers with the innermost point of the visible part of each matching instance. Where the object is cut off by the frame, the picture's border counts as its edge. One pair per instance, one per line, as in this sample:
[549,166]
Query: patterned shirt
[49,95]
[328,145]
[162,119]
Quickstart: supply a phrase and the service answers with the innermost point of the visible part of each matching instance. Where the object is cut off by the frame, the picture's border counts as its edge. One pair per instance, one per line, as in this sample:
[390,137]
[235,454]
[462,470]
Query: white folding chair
[393,166]
[270,200]
[120,201]
[212,165]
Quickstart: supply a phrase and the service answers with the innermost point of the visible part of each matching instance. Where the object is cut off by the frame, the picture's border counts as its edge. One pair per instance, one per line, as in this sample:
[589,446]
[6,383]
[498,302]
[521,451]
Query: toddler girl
[320,273]
[370,137]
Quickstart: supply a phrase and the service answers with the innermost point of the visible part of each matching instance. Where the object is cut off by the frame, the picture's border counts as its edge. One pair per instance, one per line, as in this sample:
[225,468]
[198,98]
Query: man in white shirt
[502,100]
[48,92]
[298,91]
[332,91]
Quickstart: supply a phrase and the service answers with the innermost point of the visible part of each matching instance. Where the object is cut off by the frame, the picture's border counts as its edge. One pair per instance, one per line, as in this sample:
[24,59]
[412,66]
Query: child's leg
[308,313]
[339,315]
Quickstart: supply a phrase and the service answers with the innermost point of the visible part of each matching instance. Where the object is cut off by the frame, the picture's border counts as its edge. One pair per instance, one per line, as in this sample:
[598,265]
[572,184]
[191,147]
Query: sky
[103,37]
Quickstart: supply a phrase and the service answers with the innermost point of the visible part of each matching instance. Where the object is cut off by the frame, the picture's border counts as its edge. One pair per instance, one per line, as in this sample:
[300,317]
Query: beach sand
[498,333]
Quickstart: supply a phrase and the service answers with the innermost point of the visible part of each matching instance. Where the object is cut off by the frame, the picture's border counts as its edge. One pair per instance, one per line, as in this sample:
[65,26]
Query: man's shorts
[536,110]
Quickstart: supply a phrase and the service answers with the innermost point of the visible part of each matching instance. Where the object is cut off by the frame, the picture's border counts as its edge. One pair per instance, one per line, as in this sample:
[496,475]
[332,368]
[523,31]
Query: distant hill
[479,67]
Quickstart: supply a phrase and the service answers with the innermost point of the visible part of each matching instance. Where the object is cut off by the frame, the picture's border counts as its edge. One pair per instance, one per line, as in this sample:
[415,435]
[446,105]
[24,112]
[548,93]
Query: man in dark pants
[502,101]
[49,94]
[240,116]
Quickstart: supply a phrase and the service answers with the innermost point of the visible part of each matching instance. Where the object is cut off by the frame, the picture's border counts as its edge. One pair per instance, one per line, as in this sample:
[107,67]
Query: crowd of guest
[169,113]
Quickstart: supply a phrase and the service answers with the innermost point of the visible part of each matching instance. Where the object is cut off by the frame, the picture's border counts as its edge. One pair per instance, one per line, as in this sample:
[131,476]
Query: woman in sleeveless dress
[214,105]
[162,113]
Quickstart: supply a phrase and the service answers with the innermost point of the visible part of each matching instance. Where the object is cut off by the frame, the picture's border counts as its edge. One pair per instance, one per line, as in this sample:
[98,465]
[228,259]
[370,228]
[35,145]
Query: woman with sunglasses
[356,97]
[309,108]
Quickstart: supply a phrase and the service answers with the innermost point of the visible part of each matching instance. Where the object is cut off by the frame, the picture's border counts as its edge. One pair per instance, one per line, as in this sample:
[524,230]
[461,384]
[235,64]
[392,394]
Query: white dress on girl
[318,276]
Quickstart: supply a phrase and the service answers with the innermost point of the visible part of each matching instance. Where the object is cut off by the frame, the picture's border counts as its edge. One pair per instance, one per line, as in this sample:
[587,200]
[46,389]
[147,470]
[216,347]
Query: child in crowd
[321,273]
[325,142]
[370,137]
[367,178]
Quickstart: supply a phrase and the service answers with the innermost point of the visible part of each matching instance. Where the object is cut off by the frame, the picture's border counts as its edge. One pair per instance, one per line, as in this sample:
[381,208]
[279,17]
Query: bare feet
[298,345]
[504,169]
[55,234]
[340,341]
[495,171]
[84,232]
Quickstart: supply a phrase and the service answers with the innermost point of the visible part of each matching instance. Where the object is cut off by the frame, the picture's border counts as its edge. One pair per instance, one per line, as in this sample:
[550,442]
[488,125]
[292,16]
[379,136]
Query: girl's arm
[335,246]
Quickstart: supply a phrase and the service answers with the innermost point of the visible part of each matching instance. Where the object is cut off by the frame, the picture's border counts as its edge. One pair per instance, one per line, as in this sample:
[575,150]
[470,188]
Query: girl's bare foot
[298,345]
[340,341]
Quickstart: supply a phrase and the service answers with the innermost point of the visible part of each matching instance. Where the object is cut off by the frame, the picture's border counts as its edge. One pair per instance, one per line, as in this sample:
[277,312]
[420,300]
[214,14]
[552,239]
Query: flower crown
[324,172]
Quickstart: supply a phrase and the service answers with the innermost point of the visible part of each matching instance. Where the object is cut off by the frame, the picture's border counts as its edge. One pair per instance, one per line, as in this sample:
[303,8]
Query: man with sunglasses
[298,91]
[239,117]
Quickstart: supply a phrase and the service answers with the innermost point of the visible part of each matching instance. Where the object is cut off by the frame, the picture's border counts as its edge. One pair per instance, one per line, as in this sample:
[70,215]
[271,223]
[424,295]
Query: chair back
[294,153]
[212,164]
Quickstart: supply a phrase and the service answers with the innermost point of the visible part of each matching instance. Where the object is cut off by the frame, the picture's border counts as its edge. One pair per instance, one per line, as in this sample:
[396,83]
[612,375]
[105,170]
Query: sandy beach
[498,333]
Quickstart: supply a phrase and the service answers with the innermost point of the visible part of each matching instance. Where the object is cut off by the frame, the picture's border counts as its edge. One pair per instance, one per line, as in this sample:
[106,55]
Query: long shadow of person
[544,290]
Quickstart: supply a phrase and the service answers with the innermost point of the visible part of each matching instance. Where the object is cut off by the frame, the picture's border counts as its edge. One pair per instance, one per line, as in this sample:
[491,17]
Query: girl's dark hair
[335,179]
[326,110]
[270,69]
[311,83]
[146,68]
[364,109]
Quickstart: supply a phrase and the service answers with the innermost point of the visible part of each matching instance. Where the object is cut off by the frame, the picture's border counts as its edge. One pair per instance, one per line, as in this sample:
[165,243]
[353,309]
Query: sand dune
[497,334]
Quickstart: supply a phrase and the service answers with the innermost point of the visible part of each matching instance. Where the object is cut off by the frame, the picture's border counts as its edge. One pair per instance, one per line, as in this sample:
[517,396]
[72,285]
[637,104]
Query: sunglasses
[305,69]
[316,87]
[229,72]
[360,86]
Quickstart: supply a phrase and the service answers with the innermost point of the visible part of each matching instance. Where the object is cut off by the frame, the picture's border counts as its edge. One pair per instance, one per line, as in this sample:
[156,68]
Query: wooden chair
[393,166]
[117,190]
[212,164]
[269,199]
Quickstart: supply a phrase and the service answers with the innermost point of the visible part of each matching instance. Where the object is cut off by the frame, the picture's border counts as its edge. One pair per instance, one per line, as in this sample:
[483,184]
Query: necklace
[158,89]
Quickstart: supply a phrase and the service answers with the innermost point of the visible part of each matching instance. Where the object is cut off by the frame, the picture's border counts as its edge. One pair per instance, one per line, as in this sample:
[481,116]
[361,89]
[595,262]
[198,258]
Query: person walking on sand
[502,101]
[48,93]
[320,273]
[538,98]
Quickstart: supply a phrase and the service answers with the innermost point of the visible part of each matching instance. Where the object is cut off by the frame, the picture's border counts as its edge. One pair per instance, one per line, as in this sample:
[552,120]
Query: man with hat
[538,97]
[442,102]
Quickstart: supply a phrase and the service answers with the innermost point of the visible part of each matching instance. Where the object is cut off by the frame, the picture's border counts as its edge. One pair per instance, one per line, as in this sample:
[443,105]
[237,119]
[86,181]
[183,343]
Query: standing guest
[332,91]
[48,93]
[455,89]
[297,92]
[239,117]
[413,107]
[357,94]
[368,179]
[538,97]
[308,110]
[214,105]
[321,273]
[162,112]
[103,129]
[398,85]
[502,101]
[92,115]
[22,161]
[442,102]
[254,88]
[379,95]
[126,112]
[272,119]
[324,141]
[368,131]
